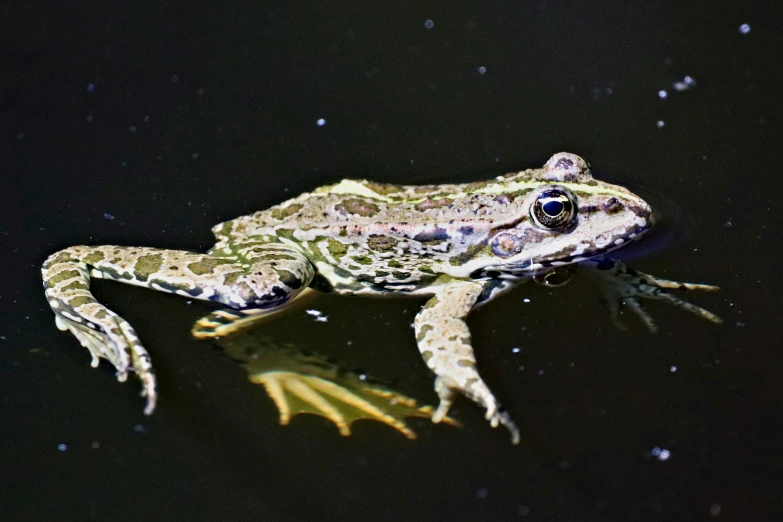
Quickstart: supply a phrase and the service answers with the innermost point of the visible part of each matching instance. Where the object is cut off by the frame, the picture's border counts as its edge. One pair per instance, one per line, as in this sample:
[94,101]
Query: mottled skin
[461,244]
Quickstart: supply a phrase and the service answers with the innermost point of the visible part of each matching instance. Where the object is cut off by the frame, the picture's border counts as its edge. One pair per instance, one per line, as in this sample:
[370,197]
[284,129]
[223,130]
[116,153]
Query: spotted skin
[460,244]
[255,275]
[444,343]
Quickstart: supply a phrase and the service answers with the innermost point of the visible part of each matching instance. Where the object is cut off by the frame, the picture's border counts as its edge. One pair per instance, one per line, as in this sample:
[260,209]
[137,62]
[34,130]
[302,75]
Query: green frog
[461,245]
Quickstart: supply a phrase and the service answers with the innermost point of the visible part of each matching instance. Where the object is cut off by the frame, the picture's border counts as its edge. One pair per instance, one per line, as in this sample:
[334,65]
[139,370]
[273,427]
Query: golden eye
[553,208]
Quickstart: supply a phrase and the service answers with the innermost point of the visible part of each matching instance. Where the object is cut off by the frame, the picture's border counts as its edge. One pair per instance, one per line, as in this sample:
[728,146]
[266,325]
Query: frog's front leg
[444,342]
[622,284]
[254,274]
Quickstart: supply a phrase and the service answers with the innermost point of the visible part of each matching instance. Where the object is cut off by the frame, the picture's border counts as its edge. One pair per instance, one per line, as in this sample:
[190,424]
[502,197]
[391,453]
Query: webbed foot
[295,393]
[621,284]
[300,382]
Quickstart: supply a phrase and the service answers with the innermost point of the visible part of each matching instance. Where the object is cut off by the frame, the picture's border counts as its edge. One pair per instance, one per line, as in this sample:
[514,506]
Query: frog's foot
[112,338]
[226,321]
[496,415]
[621,284]
[294,393]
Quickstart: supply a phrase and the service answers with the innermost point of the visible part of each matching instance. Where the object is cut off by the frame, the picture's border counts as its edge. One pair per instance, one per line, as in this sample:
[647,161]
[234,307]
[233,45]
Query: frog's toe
[224,322]
[447,394]
[642,314]
[502,418]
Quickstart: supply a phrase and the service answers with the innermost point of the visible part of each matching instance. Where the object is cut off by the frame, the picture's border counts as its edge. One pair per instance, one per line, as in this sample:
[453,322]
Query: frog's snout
[645,214]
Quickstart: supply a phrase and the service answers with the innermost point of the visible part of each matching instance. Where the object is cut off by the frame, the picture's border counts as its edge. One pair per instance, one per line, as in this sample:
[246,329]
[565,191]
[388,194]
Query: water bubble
[661,454]
[744,29]
[321,122]
[429,24]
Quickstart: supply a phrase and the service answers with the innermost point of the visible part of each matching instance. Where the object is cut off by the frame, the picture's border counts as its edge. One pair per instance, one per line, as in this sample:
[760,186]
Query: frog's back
[361,206]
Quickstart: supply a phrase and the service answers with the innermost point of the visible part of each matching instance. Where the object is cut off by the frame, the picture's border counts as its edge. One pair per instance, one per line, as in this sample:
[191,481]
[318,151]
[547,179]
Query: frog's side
[462,244]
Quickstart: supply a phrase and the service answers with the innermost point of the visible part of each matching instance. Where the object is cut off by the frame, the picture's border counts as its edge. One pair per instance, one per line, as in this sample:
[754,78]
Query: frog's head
[564,216]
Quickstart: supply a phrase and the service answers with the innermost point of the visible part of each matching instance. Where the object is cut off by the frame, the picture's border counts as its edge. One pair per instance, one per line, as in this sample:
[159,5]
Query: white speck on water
[715,510]
[482,493]
[317,315]
[90,87]
[672,369]
[526,300]
[62,447]
[429,24]
[95,444]
[683,85]
[194,155]
[661,454]
[362,377]
[540,372]
[660,124]
[662,94]
[516,349]
[139,428]
[744,29]
[482,70]
[108,216]
[321,122]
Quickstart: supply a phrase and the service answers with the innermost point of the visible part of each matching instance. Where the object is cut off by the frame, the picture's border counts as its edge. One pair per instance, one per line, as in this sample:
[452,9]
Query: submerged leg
[253,274]
[622,284]
[444,342]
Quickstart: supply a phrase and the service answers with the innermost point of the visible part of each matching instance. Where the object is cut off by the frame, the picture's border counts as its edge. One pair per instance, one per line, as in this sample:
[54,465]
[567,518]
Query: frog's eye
[553,208]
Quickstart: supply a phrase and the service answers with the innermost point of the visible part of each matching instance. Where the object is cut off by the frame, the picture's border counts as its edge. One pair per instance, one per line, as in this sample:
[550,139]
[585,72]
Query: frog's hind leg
[105,334]
[444,342]
[227,321]
[285,274]
[254,274]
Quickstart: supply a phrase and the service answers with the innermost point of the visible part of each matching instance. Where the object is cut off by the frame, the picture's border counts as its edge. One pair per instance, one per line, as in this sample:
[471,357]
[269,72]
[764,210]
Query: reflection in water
[301,382]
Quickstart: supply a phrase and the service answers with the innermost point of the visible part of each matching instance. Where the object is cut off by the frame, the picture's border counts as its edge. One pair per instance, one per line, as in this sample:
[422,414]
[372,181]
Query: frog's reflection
[301,382]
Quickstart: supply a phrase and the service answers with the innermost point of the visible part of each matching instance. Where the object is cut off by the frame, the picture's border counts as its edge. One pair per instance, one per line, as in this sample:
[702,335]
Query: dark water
[148,123]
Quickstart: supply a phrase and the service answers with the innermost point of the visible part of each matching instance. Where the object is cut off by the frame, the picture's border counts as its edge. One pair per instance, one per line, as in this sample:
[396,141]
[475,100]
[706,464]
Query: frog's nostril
[613,205]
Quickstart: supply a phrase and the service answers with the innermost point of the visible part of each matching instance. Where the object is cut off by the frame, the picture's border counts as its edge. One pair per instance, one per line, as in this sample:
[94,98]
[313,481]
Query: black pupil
[553,208]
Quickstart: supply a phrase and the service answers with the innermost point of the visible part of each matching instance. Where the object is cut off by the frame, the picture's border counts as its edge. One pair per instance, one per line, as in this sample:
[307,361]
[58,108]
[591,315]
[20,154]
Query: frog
[459,245]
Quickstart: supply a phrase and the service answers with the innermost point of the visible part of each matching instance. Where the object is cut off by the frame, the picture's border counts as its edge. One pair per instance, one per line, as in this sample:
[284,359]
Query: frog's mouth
[530,267]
